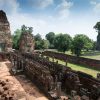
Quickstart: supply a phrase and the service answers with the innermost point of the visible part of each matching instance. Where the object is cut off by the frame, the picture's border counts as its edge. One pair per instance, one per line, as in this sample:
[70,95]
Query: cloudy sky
[60,16]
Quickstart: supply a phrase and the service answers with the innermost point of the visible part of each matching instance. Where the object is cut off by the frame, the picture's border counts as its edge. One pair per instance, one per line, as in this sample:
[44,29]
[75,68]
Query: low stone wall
[73,59]
[2,56]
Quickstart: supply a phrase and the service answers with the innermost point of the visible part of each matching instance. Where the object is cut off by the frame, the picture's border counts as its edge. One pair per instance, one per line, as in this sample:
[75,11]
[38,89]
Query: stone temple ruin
[26,43]
[56,81]
[5,34]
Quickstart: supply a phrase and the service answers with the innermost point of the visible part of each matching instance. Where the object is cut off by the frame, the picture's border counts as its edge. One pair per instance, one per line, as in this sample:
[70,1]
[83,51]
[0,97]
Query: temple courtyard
[18,85]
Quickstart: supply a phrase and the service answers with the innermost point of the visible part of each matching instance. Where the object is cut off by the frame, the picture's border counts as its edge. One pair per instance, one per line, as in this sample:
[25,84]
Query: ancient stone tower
[26,43]
[5,34]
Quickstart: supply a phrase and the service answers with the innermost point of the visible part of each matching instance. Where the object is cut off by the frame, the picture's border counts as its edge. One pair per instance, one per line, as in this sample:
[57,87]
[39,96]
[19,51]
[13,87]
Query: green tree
[94,45]
[50,37]
[15,38]
[81,41]
[88,43]
[97,27]
[44,44]
[40,43]
[38,37]
[62,42]
[25,29]
[38,40]
[30,30]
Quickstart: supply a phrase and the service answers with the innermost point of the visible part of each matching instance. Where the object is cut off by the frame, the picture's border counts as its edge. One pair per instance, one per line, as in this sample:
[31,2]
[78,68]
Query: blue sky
[60,16]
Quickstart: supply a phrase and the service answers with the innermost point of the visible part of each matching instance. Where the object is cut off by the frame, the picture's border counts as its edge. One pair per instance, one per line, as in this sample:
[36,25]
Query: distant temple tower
[5,33]
[26,42]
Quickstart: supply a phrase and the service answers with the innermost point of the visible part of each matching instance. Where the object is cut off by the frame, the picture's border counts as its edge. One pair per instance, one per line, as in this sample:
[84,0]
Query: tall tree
[97,27]
[62,42]
[38,37]
[80,41]
[50,37]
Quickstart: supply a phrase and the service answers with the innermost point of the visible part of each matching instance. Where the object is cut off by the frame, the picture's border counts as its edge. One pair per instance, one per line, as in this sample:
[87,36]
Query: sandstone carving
[5,34]
[26,43]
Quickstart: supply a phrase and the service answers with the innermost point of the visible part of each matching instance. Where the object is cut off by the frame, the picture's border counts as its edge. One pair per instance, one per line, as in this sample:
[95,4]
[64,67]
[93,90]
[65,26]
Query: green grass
[86,69]
[81,68]
[92,55]
[86,54]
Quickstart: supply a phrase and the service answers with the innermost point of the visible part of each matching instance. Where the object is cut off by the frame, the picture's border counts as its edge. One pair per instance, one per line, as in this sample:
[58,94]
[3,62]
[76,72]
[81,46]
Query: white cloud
[47,23]
[63,9]
[42,3]
[93,2]
[96,6]
[10,6]
[43,25]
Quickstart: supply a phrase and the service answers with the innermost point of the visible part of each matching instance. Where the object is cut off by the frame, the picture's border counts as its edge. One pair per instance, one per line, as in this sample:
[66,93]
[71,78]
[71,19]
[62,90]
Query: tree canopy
[40,43]
[81,41]
[15,38]
[50,37]
[25,29]
[97,27]
[62,42]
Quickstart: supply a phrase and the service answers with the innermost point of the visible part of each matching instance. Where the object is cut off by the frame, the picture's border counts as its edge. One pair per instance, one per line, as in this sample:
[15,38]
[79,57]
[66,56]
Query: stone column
[58,89]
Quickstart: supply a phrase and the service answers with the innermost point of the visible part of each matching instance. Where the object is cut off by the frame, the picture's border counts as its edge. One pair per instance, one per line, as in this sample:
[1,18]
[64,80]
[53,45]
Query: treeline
[64,42]
[61,42]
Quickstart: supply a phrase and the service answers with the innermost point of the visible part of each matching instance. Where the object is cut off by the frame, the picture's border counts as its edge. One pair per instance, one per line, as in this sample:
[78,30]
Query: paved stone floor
[20,85]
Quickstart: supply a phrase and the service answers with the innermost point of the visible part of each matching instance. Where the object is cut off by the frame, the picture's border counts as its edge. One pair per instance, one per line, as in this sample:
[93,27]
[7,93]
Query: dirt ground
[20,85]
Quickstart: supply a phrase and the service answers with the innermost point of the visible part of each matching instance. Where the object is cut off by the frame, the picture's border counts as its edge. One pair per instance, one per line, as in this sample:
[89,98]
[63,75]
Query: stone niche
[5,33]
[26,42]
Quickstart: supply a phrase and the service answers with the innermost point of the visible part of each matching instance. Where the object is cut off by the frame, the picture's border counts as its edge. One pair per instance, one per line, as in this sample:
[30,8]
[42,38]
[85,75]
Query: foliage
[44,44]
[94,45]
[97,27]
[62,42]
[38,37]
[80,42]
[88,43]
[40,43]
[26,29]
[50,37]
[16,37]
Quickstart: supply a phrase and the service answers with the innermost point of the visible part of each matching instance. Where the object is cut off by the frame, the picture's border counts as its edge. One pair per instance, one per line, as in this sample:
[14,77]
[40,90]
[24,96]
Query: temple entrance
[2,47]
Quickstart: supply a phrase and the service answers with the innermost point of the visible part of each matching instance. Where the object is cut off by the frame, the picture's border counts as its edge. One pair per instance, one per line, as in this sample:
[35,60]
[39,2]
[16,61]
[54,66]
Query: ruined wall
[5,33]
[26,43]
[73,59]
[47,75]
